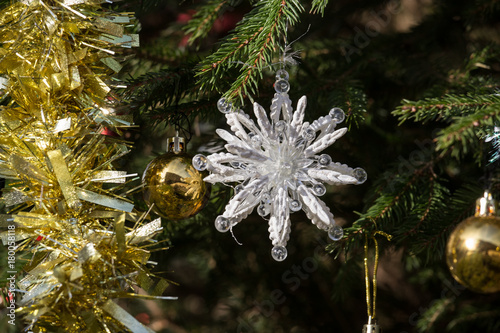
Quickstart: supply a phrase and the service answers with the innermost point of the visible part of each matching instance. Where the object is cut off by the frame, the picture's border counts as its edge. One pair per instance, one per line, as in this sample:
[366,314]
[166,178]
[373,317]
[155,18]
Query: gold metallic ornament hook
[176,144]
[486,205]
[371,327]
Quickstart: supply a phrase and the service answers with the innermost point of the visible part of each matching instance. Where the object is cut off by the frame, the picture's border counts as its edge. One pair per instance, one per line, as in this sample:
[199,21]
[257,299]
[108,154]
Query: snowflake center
[285,169]
[282,166]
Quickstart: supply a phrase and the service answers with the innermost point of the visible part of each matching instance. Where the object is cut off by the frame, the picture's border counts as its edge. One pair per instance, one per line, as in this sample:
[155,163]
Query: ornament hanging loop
[182,125]
[371,288]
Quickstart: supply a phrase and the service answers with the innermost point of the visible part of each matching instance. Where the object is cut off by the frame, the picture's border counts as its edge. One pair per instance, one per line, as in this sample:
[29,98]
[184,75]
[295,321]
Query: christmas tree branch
[249,48]
[429,318]
[428,206]
[201,23]
[407,206]
[474,317]
[442,108]
[463,135]
[159,55]
[388,204]
[146,93]
[318,6]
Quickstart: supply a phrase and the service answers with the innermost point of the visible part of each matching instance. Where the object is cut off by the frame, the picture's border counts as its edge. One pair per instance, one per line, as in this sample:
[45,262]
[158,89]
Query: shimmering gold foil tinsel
[88,244]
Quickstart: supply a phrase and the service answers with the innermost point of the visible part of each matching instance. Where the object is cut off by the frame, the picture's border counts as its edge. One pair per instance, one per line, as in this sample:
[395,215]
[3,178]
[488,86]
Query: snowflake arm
[264,124]
[279,223]
[244,201]
[316,210]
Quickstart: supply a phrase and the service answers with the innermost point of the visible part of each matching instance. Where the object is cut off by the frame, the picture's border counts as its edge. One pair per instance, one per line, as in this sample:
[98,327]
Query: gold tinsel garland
[56,58]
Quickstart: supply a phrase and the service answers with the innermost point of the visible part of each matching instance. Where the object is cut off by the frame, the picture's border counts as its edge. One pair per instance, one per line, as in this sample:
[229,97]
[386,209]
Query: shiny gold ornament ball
[174,188]
[473,253]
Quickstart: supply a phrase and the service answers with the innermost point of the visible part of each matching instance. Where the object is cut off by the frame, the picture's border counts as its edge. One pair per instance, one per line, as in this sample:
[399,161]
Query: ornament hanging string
[282,62]
[288,56]
[177,119]
[371,288]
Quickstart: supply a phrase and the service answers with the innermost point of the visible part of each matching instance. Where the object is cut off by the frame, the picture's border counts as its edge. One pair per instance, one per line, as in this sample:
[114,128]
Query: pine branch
[395,199]
[433,314]
[352,99]
[319,6]
[201,23]
[249,48]
[164,52]
[415,207]
[428,236]
[487,319]
[348,277]
[177,114]
[161,89]
[463,135]
[442,109]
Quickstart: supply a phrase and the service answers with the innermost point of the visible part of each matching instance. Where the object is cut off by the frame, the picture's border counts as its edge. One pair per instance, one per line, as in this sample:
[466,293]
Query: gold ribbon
[64,178]
[125,318]
[104,200]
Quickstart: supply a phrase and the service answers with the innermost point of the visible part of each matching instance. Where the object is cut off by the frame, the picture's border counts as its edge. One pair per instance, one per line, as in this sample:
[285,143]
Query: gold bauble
[173,187]
[473,251]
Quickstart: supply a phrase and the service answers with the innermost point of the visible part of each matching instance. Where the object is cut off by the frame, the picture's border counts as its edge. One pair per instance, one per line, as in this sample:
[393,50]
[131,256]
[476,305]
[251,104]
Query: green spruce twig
[249,48]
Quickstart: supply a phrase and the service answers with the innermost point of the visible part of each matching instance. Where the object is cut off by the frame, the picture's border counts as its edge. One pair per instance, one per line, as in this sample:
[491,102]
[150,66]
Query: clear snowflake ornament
[278,166]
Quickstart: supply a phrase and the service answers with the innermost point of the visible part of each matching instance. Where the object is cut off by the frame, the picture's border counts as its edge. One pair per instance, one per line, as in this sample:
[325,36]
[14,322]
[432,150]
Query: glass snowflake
[277,166]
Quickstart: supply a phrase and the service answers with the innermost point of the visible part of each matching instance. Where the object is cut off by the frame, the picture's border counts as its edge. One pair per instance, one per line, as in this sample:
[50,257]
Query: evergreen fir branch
[164,52]
[421,214]
[478,85]
[464,134]
[318,6]
[176,114]
[432,315]
[352,99]
[159,89]
[441,109]
[456,208]
[488,320]
[422,230]
[403,206]
[436,195]
[201,23]
[479,59]
[348,277]
[395,200]
[249,48]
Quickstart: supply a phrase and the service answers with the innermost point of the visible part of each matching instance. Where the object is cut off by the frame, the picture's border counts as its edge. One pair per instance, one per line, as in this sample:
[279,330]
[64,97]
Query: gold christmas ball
[174,188]
[473,253]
